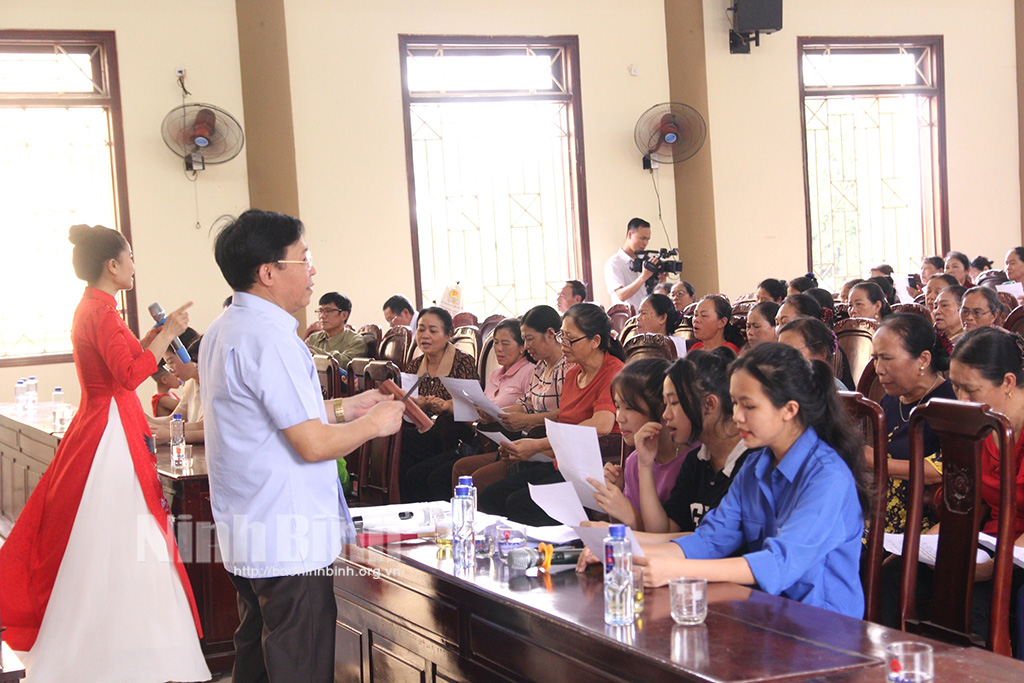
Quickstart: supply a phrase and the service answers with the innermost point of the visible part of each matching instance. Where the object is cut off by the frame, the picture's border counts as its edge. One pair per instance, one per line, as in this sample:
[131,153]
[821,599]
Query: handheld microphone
[157,311]
[544,556]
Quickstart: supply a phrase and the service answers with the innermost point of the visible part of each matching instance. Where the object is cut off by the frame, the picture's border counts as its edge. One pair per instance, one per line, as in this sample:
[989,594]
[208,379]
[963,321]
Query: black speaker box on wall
[757,15]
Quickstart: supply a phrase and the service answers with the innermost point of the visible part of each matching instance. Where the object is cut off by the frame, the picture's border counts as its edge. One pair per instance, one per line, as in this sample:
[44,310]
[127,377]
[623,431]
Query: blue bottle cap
[617,530]
[462,491]
[177,416]
[56,389]
[31,376]
[465,480]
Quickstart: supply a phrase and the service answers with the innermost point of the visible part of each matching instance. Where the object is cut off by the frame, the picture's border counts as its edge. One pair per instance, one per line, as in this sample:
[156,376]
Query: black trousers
[510,497]
[287,629]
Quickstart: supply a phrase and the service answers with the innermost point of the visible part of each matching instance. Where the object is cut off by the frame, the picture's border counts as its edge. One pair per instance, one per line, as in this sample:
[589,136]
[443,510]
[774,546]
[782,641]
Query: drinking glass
[689,599]
[908,662]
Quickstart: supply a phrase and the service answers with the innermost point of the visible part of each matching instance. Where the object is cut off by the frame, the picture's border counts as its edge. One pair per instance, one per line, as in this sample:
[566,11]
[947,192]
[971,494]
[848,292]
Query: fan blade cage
[186,127]
[670,132]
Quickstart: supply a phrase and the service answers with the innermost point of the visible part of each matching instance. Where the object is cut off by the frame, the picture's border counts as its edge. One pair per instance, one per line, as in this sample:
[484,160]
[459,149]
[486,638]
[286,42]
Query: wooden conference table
[419,621]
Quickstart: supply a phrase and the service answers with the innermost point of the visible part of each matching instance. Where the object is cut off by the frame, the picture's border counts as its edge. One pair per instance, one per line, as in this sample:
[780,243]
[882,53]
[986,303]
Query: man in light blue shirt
[271,446]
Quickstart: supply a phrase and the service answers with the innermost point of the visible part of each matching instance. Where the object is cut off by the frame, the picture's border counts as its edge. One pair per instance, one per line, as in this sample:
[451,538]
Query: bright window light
[52,72]
[839,70]
[449,73]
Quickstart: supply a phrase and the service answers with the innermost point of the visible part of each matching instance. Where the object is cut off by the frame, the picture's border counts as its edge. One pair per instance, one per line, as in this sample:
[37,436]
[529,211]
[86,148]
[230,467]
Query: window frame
[491,45]
[105,72]
[936,90]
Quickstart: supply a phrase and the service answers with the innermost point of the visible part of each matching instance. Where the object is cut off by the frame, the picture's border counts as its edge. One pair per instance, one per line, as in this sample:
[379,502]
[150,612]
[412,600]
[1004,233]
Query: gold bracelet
[339,410]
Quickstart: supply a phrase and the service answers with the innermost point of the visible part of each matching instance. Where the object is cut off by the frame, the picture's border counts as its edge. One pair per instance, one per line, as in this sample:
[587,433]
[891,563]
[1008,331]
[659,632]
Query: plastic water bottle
[57,405]
[463,539]
[32,392]
[19,395]
[618,577]
[177,441]
[467,480]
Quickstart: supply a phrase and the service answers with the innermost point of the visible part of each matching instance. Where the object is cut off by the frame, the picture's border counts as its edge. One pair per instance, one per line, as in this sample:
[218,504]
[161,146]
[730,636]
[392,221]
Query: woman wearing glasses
[586,400]
[982,308]
[90,577]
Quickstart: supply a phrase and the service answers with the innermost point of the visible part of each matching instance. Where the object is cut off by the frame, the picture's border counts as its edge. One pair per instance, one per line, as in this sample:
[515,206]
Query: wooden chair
[628,330]
[329,373]
[868,384]
[395,345]
[488,361]
[620,313]
[467,340]
[1015,321]
[355,370]
[464,318]
[1008,300]
[920,299]
[742,307]
[991,278]
[685,330]
[740,323]
[748,298]
[378,459]
[690,310]
[854,337]
[961,428]
[489,323]
[917,309]
[371,335]
[648,345]
[868,414]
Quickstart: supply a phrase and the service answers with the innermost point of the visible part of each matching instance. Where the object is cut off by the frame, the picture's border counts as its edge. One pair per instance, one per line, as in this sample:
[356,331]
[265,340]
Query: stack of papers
[926,550]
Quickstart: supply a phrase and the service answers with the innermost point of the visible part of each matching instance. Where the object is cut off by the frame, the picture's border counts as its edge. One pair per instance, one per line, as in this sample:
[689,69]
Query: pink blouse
[505,386]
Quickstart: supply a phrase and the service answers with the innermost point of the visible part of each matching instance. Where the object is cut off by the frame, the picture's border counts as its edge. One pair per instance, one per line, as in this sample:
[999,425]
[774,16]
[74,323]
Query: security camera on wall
[751,18]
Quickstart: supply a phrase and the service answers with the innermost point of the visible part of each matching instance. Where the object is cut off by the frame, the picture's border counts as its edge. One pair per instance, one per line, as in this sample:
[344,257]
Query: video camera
[665,264]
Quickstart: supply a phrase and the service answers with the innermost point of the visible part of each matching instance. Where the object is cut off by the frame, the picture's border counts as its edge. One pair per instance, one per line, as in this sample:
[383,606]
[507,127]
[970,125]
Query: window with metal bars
[61,163]
[874,151]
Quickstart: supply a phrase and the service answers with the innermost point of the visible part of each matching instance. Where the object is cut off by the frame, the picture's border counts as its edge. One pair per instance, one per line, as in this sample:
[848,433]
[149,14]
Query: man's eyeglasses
[322,311]
[562,339]
[308,261]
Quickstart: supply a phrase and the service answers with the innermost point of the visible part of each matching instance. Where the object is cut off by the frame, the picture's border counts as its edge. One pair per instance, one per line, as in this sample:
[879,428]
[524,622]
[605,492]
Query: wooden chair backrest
[646,345]
[1008,300]
[463,318]
[620,314]
[488,362]
[868,414]
[371,335]
[1015,321]
[742,307]
[917,309]
[489,323]
[629,330]
[854,336]
[395,345]
[991,278]
[356,368]
[378,459]
[961,428]
[329,373]
[467,340]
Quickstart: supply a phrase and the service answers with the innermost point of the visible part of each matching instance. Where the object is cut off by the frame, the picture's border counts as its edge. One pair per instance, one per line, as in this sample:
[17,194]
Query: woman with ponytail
[792,521]
[712,325]
[658,315]
[908,357]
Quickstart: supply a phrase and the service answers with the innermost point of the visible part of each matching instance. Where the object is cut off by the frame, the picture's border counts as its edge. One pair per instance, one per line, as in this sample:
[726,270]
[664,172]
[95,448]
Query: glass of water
[909,663]
[689,599]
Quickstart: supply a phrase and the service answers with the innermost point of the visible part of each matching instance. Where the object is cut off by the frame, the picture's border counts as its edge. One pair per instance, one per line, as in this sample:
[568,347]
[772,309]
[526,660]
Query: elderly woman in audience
[1014,265]
[712,325]
[662,288]
[946,314]
[844,293]
[959,266]
[981,307]
[884,282]
[827,303]
[434,329]
[657,315]
[796,306]
[539,329]
[761,324]
[682,294]
[801,284]
[803,541]
[586,338]
[868,301]
[815,341]
[931,265]
[429,479]
[986,367]
[937,283]
[771,290]
[979,264]
[909,357]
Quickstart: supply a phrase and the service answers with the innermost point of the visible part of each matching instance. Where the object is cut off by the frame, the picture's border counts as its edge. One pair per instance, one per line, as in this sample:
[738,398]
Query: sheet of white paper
[901,283]
[559,501]
[496,437]
[579,457]
[990,543]
[470,391]
[680,346]
[1014,288]
[593,538]
[927,549]
[555,535]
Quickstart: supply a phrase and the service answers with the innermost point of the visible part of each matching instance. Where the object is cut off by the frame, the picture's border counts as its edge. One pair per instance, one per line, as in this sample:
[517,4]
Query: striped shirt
[545,390]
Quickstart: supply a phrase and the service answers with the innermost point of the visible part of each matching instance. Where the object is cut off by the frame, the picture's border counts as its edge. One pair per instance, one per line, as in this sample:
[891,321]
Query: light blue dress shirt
[799,526]
[276,513]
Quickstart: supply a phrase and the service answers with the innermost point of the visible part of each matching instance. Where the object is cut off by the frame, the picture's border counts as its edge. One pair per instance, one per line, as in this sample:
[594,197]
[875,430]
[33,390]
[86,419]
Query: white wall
[754,113]
[174,260]
[350,138]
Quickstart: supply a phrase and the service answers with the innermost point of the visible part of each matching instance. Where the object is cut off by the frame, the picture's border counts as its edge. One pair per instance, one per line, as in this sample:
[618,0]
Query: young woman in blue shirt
[792,521]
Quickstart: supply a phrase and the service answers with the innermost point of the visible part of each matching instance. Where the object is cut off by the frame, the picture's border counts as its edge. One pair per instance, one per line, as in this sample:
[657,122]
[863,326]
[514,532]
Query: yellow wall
[350,139]
[174,260]
[754,109]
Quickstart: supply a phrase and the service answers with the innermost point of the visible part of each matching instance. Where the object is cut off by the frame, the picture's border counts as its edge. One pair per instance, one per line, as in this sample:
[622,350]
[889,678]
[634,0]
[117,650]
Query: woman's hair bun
[78,233]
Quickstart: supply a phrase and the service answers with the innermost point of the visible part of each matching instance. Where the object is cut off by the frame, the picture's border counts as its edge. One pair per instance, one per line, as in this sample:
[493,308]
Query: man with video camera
[628,274]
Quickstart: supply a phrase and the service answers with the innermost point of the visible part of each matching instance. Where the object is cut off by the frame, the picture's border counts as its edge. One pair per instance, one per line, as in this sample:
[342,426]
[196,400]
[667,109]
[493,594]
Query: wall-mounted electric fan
[202,134]
[669,133]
